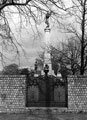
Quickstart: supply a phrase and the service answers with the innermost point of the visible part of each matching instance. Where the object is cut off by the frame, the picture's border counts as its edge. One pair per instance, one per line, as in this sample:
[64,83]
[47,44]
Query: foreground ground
[28,116]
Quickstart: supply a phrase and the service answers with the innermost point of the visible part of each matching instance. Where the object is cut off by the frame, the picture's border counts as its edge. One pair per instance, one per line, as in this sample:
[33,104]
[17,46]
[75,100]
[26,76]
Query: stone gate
[46,92]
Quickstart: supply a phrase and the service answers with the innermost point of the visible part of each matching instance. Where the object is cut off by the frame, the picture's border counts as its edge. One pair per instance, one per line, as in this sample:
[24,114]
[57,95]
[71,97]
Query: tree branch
[13,3]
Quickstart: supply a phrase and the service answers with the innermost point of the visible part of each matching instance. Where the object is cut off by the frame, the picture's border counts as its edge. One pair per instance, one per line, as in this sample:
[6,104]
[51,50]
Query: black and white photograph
[43,59]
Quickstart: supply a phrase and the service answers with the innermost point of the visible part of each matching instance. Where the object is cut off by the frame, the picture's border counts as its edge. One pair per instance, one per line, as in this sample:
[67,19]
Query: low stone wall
[77,93]
[12,93]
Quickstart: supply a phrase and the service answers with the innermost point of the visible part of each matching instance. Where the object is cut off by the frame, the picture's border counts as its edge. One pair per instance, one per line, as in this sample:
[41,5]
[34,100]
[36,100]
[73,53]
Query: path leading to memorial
[59,116]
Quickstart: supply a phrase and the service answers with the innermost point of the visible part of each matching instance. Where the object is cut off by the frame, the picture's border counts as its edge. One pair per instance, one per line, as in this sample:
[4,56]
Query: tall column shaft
[47,56]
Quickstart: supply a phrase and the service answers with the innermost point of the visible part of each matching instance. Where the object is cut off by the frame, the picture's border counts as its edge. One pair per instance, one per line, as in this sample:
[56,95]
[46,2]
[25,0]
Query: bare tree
[65,57]
[78,28]
[68,56]
[31,10]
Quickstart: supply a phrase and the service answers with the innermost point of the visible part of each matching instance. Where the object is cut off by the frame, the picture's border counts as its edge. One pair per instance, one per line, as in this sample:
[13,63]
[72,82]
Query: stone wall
[12,93]
[77,93]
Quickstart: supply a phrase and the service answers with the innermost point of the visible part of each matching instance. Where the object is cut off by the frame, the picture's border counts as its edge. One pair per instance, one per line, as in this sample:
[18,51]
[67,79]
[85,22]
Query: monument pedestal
[47,60]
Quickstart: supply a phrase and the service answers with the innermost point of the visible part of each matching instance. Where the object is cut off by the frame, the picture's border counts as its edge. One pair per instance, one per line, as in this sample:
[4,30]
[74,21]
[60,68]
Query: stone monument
[47,56]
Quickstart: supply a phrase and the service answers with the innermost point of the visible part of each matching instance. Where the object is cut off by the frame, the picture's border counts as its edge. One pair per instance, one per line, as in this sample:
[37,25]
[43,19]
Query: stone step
[44,110]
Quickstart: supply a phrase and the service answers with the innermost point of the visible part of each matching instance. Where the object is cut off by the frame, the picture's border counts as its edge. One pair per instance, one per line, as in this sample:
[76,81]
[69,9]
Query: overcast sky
[30,41]
[33,44]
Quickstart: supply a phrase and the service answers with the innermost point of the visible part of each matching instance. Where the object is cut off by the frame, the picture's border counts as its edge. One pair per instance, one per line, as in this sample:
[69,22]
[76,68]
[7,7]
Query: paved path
[59,116]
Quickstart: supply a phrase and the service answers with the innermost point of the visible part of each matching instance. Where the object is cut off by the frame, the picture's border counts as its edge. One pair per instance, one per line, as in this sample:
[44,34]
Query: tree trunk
[82,61]
[82,41]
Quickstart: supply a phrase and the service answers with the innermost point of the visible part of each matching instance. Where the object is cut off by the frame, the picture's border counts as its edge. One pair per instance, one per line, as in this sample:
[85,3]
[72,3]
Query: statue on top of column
[47,19]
